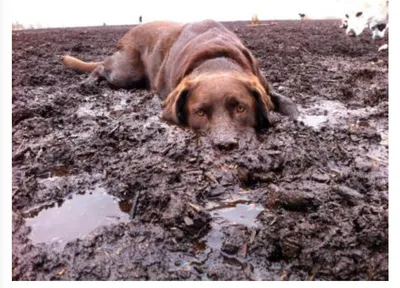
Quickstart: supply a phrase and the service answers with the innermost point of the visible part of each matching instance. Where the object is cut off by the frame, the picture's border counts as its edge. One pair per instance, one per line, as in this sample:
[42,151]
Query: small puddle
[215,237]
[237,212]
[323,113]
[240,211]
[314,121]
[326,112]
[76,217]
[225,214]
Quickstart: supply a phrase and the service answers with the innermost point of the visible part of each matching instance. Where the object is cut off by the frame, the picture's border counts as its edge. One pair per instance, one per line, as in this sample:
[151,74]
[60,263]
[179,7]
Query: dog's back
[200,42]
[150,35]
[161,53]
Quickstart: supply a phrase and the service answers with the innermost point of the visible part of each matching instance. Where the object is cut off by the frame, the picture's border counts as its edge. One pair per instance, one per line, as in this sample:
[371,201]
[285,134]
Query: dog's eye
[200,112]
[358,14]
[240,108]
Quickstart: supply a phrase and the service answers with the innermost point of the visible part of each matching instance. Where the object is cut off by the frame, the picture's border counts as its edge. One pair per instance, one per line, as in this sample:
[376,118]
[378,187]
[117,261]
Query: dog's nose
[351,33]
[224,136]
[226,144]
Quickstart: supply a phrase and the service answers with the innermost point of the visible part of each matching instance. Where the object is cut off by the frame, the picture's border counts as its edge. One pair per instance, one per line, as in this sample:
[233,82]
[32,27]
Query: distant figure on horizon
[254,20]
[302,16]
[140,19]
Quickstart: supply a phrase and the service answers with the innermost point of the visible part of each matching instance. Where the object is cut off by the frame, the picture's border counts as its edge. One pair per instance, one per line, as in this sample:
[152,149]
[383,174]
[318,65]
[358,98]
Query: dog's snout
[225,139]
[351,33]
[224,136]
[227,144]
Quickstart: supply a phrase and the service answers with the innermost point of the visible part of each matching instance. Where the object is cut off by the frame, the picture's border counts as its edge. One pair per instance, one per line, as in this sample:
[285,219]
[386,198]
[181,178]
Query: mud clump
[291,200]
[305,200]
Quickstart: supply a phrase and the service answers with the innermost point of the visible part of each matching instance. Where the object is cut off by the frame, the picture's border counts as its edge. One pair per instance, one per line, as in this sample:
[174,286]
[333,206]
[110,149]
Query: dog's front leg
[94,77]
[284,105]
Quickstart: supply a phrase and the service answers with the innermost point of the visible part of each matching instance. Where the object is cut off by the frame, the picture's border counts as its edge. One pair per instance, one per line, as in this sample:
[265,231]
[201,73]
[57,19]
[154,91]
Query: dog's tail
[79,65]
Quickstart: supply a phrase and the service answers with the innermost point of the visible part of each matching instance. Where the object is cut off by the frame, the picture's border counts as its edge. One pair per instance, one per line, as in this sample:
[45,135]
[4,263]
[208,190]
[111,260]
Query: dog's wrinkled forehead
[221,86]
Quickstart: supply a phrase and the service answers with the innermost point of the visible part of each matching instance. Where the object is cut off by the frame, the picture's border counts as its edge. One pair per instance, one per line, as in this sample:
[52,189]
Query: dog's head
[356,22]
[361,15]
[378,29]
[223,104]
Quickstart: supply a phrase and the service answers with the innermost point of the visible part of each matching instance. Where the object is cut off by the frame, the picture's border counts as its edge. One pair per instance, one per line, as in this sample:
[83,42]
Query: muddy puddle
[241,212]
[228,213]
[326,113]
[75,217]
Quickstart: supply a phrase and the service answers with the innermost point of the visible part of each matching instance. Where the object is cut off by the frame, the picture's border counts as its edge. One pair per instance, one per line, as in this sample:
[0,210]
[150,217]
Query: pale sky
[55,13]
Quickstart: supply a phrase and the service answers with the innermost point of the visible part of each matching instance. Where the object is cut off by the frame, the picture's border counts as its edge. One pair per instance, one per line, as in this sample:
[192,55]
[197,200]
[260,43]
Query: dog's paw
[88,86]
[284,105]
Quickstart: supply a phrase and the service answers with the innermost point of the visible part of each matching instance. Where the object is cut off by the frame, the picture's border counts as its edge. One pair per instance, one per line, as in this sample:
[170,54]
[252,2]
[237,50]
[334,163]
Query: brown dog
[209,81]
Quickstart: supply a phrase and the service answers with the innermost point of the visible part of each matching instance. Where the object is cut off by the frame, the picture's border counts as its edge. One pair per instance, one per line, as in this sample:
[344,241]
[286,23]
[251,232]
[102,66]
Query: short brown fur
[181,61]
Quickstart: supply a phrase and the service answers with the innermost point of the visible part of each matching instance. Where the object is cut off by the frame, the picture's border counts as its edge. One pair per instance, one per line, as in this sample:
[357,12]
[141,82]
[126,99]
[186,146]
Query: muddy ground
[105,190]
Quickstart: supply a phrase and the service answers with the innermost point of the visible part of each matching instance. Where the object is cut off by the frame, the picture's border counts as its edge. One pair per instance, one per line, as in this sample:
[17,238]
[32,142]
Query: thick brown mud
[105,190]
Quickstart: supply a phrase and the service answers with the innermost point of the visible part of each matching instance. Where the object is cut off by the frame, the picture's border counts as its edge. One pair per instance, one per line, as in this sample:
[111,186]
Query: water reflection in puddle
[77,217]
[225,214]
[237,212]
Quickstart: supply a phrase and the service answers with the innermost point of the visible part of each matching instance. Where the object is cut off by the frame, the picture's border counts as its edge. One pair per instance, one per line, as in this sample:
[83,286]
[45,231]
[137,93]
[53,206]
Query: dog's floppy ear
[262,115]
[174,105]
[281,104]
[263,101]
